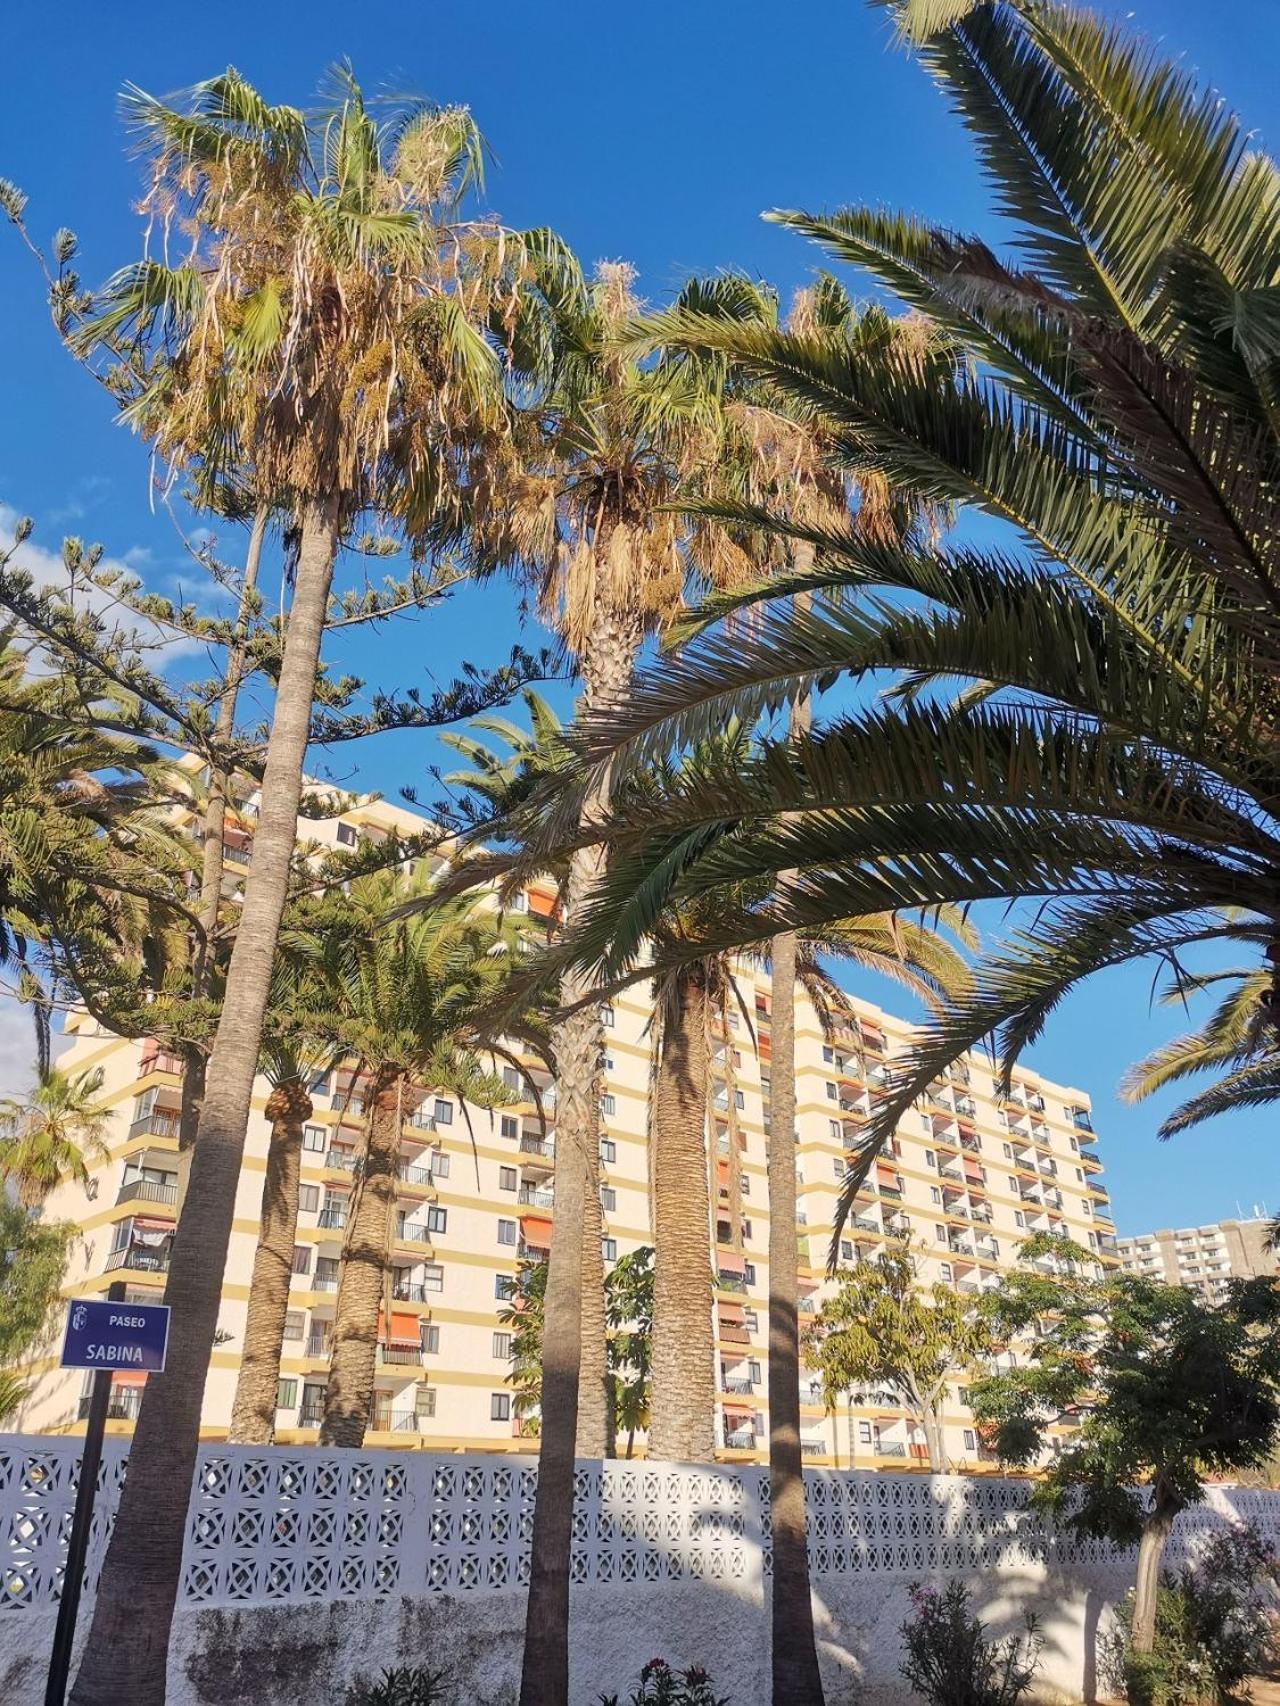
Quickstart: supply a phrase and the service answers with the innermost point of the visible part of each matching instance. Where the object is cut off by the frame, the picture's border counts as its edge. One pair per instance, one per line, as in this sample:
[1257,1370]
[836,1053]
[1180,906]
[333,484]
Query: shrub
[412,1685]
[949,1660]
[661,1685]
[1212,1626]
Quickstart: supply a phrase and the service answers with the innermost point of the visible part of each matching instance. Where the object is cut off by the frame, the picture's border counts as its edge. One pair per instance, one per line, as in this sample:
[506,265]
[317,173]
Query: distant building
[1202,1257]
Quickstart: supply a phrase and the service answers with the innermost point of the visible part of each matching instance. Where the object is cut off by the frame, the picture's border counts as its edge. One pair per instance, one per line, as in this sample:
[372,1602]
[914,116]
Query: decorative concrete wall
[304,1568]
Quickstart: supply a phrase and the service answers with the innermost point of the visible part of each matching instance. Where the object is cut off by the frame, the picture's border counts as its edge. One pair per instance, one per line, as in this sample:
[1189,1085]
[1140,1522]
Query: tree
[327,336]
[33,1259]
[48,1136]
[884,1329]
[1163,1390]
[1085,718]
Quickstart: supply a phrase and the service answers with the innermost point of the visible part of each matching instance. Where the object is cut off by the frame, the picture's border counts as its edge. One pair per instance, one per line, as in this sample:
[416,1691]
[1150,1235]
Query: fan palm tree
[325,340]
[48,1137]
[405,1005]
[1111,748]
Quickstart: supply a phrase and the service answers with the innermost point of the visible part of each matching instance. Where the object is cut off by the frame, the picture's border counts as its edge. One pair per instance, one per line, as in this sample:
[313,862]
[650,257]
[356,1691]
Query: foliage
[950,1662]
[882,1328]
[661,1685]
[1213,1627]
[33,1259]
[46,1136]
[410,1685]
[1163,1387]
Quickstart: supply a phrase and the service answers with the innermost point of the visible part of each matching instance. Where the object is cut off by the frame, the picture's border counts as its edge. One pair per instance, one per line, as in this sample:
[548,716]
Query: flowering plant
[948,1659]
[662,1685]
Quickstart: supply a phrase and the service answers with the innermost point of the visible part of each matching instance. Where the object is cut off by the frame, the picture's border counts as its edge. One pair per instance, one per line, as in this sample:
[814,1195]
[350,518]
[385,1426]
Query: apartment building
[1204,1258]
[971,1175]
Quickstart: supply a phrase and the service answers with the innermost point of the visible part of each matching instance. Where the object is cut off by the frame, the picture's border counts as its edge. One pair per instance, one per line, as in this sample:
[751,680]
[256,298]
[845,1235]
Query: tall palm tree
[48,1137]
[406,1007]
[325,341]
[1111,748]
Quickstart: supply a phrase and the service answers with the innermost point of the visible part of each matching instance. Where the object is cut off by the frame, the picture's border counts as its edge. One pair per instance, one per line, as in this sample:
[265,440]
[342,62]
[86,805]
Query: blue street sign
[131,1336]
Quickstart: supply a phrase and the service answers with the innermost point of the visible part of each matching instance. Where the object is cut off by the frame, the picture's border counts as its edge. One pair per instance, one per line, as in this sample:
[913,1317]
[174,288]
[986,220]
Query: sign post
[103,1337]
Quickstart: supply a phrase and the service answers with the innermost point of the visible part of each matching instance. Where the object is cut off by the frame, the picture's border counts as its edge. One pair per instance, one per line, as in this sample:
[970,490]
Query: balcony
[413,1234]
[1081,1121]
[538,1146]
[400,1356]
[160,1122]
[406,1292]
[738,1385]
[395,1422]
[864,1223]
[141,1258]
[333,1219]
[147,1190]
[342,1160]
[734,1333]
[417,1177]
[740,1439]
[318,1345]
[532,1196]
[889,1448]
[311,1415]
[122,1405]
[812,1448]
[159,1060]
[730,1282]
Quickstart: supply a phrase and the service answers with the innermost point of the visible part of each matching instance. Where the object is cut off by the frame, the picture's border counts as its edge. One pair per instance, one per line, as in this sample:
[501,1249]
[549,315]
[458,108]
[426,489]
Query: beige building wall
[1205,1258]
[972,1176]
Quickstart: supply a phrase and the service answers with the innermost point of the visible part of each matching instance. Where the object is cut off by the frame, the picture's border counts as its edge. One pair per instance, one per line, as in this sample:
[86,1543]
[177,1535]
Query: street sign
[132,1337]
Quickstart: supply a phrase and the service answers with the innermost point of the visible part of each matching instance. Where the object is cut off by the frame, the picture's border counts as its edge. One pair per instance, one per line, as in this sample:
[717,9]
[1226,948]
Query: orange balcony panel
[535,1229]
[542,905]
[404,1328]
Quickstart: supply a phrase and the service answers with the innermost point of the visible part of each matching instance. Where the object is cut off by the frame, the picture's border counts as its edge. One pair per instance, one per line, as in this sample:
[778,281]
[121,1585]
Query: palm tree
[1110,749]
[406,1007]
[324,341]
[49,1136]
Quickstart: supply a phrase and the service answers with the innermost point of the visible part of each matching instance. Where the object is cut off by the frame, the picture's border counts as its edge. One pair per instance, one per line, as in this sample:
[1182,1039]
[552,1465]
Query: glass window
[930,1159]
[437,1219]
[287,1395]
[430,1338]
[443,1111]
[935,1195]
[607,1015]
[864,1433]
[608,1198]
[502,1346]
[1019,1219]
[608,1150]
[940,1234]
[507,1178]
[744,1184]
[302,1258]
[739,1100]
[750,1320]
[315,1137]
[970,1440]
[347,835]
[746,1229]
[432,1276]
[295,1323]
[319,1085]
[308,1198]
[509,1125]
[326,1272]
[439,1164]
[749,1272]
[609,1249]
[608,1104]
[424,1401]
[504,1287]
[500,1407]
[506,1232]
[846,1250]
[836,1129]
[754,1373]
[832,1092]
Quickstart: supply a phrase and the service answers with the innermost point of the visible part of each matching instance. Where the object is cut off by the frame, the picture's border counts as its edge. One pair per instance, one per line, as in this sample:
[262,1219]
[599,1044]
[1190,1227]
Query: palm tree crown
[48,1137]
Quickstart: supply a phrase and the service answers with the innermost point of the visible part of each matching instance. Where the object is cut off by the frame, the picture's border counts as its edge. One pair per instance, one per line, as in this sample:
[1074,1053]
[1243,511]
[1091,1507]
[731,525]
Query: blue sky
[655,135]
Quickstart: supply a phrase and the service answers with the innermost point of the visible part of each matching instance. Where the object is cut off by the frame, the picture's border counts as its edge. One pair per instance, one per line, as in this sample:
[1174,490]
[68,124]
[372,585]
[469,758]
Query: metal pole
[64,1634]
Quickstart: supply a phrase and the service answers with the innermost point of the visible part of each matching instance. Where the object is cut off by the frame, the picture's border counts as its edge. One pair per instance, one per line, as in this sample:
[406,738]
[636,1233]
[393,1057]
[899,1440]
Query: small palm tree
[48,1137]
[1237,1040]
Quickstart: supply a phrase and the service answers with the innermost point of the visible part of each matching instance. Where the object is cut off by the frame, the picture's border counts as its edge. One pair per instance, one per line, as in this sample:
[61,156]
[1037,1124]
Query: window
[944,1268]
[837,1131]
[511,1078]
[608,1017]
[935,1195]
[326,1273]
[749,1272]
[744,1184]
[1074,1144]
[609,1249]
[308,1199]
[1080,1174]
[439,1164]
[286,1395]
[939,1234]
[846,1249]
[608,1104]
[314,1137]
[739,1100]
[1019,1219]
[746,1229]
[443,1111]
[1013,1183]
[437,1219]
[499,1406]
[750,1320]
[506,1178]
[319,1085]
[607,1062]
[930,1159]
[509,1126]
[608,1150]
[502,1346]
[424,1401]
[828,1053]
[837,1166]
[608,1198]
[432,1276]
[864,1433]
[519,902]
[507,1232]
[348,835]
[833,1093]
[504,1287]
[970,1440]
[295,1323]
[1008,1151]
[430,1335]
[1088,1209]
[993,1245]
[754,1373]
[302,1258]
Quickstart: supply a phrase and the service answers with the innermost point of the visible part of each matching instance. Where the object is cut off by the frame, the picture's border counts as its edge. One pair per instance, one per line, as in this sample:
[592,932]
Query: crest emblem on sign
[79,1315]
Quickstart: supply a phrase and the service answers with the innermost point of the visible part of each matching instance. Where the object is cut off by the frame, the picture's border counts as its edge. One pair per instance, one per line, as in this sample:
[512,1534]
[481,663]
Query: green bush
[949,1660]
[412,1685]
[660,1685]
[1212,1627]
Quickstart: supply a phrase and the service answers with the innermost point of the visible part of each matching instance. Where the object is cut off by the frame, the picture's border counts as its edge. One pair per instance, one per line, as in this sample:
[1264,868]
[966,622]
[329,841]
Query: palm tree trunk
[594,1398]
[253,1414]
[683,1408]
[796,1678]
[578,1043]
[366,1256]
[214,830]
[126,1654]
[1155,1534]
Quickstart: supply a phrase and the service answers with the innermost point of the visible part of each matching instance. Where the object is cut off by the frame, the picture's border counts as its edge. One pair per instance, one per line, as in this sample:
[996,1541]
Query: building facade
[971,1175]
[1205,1258]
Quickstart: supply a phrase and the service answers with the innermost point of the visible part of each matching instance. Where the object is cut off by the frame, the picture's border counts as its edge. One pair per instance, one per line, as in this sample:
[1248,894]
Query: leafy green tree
[1162,1389]
[49,1136]
[884,1329]
[33,1259]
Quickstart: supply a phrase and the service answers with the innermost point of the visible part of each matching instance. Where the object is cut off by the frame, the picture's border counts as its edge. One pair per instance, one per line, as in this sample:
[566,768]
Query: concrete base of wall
[308,1654]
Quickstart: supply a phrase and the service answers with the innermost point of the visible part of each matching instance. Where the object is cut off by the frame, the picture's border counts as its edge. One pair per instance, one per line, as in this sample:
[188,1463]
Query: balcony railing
[143,1258]
[1080,1120]
[535,1197]
[539,1146]
[310,1415]
[733,1333]
[740,1439]
[414,1234]
[334,1219]
[158,1123]
[890,1448]
[395,1422]
[147,1190]
[739,1385]
[162,1061]
[345,1160]
[812,1448]
[401,1356]
[730,1282]
[122,1405]
[319,1345]
[409,1293]
[422,1176]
